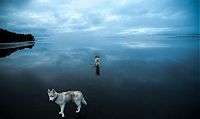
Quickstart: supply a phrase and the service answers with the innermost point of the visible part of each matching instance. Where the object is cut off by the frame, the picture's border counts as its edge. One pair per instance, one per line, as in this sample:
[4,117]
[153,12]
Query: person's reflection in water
[98,72]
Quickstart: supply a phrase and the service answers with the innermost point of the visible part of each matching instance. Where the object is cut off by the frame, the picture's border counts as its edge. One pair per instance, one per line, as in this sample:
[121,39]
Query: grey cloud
[8,5]
[114,16]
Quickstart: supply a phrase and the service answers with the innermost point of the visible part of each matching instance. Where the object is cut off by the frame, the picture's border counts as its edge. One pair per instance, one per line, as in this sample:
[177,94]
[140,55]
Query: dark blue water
[140,77]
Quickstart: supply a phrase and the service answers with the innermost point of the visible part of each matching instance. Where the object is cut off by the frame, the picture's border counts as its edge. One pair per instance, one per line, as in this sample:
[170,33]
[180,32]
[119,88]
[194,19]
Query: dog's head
[52,94]
[97,58]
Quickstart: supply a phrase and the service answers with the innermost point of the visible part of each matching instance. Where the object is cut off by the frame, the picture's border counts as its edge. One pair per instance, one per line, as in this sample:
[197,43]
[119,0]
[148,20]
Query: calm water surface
[140,77]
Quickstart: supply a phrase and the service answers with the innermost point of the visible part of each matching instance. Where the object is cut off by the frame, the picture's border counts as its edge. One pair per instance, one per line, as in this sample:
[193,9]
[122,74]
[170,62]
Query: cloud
[147,30]
[114,16]
[93,28]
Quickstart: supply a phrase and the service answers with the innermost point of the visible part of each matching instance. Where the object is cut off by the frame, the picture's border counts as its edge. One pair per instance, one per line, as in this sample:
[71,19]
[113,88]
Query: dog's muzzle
[51,98]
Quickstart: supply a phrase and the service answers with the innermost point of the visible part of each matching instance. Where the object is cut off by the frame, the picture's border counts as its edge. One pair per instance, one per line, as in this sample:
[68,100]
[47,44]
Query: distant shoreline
[16,44]
[11,37]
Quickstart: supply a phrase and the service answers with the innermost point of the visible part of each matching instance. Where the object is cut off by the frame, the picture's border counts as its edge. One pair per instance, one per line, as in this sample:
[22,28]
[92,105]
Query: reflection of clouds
[112,57]
[143,44]
[93,48]
[66,57]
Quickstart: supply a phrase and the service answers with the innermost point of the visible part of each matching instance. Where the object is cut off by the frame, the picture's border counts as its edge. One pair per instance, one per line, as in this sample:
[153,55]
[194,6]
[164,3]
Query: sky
[116,17]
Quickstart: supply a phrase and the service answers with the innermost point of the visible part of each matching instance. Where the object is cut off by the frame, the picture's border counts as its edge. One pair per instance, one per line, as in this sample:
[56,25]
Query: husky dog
[97,60]
[62,98]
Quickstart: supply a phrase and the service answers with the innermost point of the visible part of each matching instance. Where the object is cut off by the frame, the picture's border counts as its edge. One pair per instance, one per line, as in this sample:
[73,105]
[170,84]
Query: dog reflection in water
[98,70]
[97,65]
[62,98]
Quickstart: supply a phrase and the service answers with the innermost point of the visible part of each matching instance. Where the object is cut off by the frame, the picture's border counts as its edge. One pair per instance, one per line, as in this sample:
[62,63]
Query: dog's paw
[63,115]
[60,112]
[78,111]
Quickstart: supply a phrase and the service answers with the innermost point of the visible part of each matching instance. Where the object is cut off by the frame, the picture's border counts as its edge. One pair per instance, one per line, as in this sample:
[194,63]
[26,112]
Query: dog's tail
[83,101]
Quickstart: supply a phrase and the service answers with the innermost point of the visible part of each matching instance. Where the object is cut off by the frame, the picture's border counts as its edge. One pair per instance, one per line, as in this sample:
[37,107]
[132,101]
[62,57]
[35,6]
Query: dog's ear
[49,90]
[53,90]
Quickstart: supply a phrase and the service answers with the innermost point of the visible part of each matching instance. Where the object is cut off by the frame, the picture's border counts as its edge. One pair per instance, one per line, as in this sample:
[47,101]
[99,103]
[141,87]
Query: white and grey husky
[62,98]
[97,60]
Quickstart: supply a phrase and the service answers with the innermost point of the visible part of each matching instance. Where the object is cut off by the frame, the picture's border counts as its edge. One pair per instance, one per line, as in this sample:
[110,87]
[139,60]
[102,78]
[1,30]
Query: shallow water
[140,77]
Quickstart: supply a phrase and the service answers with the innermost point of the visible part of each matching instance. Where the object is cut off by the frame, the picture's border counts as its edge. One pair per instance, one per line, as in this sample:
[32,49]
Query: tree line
[8,37]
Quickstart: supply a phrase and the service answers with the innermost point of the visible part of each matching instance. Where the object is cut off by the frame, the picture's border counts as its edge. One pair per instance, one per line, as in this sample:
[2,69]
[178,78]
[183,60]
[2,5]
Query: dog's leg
[83,101]
[97,63]
[62,107]
[78,103]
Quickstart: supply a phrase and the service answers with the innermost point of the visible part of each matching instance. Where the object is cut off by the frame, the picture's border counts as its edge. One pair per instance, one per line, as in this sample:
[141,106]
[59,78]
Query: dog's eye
[51,96]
